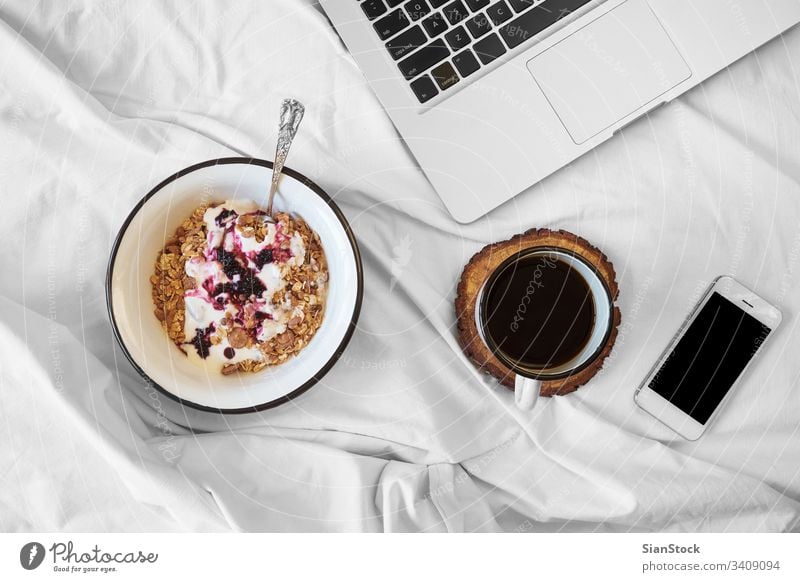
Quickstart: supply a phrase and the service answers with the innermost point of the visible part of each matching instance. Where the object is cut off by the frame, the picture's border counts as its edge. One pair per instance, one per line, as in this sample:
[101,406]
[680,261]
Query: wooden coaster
[483,263]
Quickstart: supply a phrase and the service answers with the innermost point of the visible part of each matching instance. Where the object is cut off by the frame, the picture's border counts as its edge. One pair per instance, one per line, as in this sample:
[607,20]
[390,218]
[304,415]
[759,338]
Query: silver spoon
[292,112]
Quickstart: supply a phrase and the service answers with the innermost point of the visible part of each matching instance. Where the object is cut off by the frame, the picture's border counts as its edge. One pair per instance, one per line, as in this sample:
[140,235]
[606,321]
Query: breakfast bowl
[129,293]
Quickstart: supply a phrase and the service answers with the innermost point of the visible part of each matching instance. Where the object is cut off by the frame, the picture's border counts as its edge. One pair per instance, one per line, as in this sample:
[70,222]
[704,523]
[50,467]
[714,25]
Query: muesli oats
[238,291]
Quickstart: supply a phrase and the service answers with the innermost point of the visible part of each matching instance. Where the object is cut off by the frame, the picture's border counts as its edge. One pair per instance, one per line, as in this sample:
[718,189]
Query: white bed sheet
[99,100]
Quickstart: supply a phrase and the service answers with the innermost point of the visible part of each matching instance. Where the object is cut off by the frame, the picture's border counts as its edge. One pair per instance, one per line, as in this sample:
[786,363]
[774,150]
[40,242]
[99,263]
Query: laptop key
[455,12]
[457,38]
[534,21]
[479,25]
[394,3]
[499,12]
[406,42]
[438,3]
[424,89]
[476,5]
[489,49]
[445,75]
[417,9]
[423,59]
[520,5]
[391,24]
[435,24]
[466,63]
[373,8]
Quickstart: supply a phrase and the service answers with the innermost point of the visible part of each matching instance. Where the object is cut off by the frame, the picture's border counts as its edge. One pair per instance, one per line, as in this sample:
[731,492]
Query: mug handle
[526,392]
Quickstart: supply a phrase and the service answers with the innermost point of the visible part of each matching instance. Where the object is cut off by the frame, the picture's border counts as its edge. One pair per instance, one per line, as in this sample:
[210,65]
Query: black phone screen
[709,357]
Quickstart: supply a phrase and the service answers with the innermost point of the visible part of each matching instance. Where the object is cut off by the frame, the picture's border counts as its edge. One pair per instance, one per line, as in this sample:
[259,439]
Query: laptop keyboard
[437,43]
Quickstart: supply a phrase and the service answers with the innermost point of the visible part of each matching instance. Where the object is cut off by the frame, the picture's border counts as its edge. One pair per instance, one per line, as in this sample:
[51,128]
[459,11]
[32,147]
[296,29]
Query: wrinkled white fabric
[100,100]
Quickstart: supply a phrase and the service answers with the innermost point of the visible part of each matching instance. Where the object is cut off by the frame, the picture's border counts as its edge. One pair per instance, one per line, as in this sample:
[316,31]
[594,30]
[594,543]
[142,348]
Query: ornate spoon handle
[292,112]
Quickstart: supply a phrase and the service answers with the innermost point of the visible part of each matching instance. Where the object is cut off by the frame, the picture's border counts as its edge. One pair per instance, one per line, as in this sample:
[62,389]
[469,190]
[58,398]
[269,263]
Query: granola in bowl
[237,292]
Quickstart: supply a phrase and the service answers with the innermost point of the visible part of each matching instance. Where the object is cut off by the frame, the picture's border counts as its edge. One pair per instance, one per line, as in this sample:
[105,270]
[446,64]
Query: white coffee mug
[527,381]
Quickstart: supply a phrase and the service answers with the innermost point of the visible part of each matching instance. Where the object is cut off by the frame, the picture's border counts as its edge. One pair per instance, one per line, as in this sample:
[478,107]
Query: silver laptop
[492,96]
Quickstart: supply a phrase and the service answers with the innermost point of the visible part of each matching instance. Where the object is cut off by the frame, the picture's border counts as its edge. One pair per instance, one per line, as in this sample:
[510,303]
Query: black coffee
[539,312]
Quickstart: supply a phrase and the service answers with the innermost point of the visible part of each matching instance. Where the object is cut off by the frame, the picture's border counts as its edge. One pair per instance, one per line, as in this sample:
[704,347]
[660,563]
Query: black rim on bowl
[508,362]
[317,375]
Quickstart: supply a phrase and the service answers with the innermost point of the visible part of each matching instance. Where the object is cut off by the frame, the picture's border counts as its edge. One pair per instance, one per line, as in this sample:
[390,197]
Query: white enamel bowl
[152,222]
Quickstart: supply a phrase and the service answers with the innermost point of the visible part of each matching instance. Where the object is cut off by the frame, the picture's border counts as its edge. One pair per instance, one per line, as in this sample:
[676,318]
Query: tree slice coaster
[484,262]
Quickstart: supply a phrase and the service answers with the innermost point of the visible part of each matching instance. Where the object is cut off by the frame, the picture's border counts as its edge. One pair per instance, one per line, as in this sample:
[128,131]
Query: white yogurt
[218,298]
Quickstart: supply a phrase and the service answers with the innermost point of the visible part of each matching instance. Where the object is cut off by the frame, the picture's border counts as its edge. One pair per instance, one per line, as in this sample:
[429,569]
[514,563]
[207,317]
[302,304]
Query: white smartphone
[706,358]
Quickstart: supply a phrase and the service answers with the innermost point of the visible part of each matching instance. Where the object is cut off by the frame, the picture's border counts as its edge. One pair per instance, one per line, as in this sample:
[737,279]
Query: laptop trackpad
[609,69]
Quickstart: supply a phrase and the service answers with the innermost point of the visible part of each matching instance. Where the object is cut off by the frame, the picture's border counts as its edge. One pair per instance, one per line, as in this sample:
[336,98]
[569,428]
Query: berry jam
[202,341]
[249,285]
[263,258]
[225,215]
[230,265]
